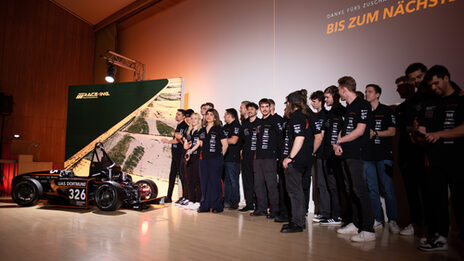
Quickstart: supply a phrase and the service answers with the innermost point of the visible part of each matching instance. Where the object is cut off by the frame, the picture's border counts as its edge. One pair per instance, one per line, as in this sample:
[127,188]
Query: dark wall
[43,50]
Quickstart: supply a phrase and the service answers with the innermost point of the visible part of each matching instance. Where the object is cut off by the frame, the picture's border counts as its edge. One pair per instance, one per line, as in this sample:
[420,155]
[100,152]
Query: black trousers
[211,188]
[266,185]
[175,165]
[284,198]
[331,170]
[248,181]
[306,182]
[193,179]
[294,179]
[445,171]
[183,176]
[411,162]
[363,217]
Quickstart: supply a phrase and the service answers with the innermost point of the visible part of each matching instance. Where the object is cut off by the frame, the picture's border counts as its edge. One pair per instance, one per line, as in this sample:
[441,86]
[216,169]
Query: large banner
[130,119]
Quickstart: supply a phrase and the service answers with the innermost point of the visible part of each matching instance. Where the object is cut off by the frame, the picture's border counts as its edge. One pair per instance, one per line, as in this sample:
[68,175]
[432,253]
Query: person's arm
[390,132]
[336,147]
[356,133]
[456,132]
[225,145]
[191,150]
[297,145]
[317,141]
[170,141]
[232,140]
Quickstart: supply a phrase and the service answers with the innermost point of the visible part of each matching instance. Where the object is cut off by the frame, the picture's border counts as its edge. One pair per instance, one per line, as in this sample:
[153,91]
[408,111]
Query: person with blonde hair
[192,156]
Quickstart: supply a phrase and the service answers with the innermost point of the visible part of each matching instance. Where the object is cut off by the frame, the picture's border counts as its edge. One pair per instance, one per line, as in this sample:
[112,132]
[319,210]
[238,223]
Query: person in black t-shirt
[351,145]
[442,123]
[213,145]
[248,136]
[176,151]
[232,159]
[378,163]
[338,204]
[264,165]
[322,198]
[192,157]
[296,149]
[284,200]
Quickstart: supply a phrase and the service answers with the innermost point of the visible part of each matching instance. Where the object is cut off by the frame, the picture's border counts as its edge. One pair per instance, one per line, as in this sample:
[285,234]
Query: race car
[106,186]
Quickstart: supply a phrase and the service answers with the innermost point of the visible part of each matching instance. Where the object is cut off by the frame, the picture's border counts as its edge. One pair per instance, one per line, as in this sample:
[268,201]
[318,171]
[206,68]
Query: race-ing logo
[91,95]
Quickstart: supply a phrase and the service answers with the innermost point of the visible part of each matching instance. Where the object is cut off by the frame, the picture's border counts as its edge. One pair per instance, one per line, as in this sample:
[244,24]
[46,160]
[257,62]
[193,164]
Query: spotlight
[110,75]
[16,136]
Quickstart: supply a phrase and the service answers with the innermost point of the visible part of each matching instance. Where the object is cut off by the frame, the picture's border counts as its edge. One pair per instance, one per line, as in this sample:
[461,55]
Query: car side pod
[27,192]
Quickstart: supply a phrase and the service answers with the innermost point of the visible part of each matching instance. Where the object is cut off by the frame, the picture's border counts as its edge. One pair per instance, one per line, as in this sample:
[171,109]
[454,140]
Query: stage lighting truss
[127,63]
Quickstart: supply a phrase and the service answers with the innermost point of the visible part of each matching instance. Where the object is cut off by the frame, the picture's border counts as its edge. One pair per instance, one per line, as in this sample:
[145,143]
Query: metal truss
[127,63]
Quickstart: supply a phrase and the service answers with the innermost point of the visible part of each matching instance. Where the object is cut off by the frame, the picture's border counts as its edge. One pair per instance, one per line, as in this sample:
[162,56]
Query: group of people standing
[349,147]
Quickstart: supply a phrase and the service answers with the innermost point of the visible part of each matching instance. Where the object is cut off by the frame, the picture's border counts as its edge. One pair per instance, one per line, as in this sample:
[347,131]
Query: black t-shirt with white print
[443,114]
[212,146]
[249,137]
[233,150]
[178,148]
[332,127]
[268,135]
[358,112]
[298,126]
[319,119]
[380,148]
[194,137]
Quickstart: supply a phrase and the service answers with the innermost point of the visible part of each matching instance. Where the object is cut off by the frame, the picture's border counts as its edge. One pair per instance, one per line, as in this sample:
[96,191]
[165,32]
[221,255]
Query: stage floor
[168,232]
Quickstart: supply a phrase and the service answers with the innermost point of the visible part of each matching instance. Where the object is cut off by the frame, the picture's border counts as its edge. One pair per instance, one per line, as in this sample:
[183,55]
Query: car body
[106,186]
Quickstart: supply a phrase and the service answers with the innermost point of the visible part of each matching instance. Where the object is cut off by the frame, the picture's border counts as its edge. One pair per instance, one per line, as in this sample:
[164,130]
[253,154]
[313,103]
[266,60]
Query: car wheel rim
[106,197]
[145,191]
[25,193]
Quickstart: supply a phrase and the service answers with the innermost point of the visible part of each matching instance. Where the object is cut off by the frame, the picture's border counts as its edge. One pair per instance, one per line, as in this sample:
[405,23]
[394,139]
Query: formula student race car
[106,186]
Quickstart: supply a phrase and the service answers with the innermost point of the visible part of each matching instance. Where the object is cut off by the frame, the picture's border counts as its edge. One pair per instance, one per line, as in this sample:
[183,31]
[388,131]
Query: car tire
[147,183]
[109,196]
[27,192]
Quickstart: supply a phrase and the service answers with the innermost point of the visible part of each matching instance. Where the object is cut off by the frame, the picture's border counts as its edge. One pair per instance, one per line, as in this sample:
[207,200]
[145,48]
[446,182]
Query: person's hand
[164,140]
[371,134]
[432,137]
[337,149]
[187,156]
[286,162]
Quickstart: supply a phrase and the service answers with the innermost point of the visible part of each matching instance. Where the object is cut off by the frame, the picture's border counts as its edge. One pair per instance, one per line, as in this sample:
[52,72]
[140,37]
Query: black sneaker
[291,228]
[331,221]
[435,244]
[246,208]
[257,214]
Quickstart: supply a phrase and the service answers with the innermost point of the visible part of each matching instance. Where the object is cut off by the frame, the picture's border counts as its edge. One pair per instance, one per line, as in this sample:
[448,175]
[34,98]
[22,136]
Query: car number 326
[76,194]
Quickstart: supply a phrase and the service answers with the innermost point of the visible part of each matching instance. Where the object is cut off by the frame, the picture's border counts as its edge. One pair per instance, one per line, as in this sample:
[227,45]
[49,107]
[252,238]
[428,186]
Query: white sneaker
[193,206]
[393,227]
[363,236]
[317,218]
[377,225]
[184,203]
[348,229]
[189,205]
[407,231]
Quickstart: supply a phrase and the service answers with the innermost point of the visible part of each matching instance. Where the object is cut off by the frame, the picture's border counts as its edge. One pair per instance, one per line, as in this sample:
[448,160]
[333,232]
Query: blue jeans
[375,172]
[231,183]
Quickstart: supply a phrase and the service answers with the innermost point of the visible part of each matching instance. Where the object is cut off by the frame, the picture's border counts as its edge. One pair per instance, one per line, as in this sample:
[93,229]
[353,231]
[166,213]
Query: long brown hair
[297,100]
[217,121]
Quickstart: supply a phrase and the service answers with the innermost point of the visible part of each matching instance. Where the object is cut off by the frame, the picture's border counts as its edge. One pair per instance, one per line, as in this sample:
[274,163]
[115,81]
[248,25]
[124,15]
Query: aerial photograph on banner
[135,142]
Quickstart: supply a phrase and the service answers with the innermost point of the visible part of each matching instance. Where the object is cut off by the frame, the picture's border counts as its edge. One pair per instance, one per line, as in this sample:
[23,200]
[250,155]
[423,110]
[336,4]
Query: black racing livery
[106,186]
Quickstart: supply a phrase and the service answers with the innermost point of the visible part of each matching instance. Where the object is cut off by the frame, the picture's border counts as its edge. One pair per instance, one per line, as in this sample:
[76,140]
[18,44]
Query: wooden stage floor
[168,232]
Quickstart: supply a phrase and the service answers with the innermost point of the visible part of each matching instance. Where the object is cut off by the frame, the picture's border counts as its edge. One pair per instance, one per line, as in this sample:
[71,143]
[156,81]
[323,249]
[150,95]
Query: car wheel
[146,189]
[27,192]
[108,196]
